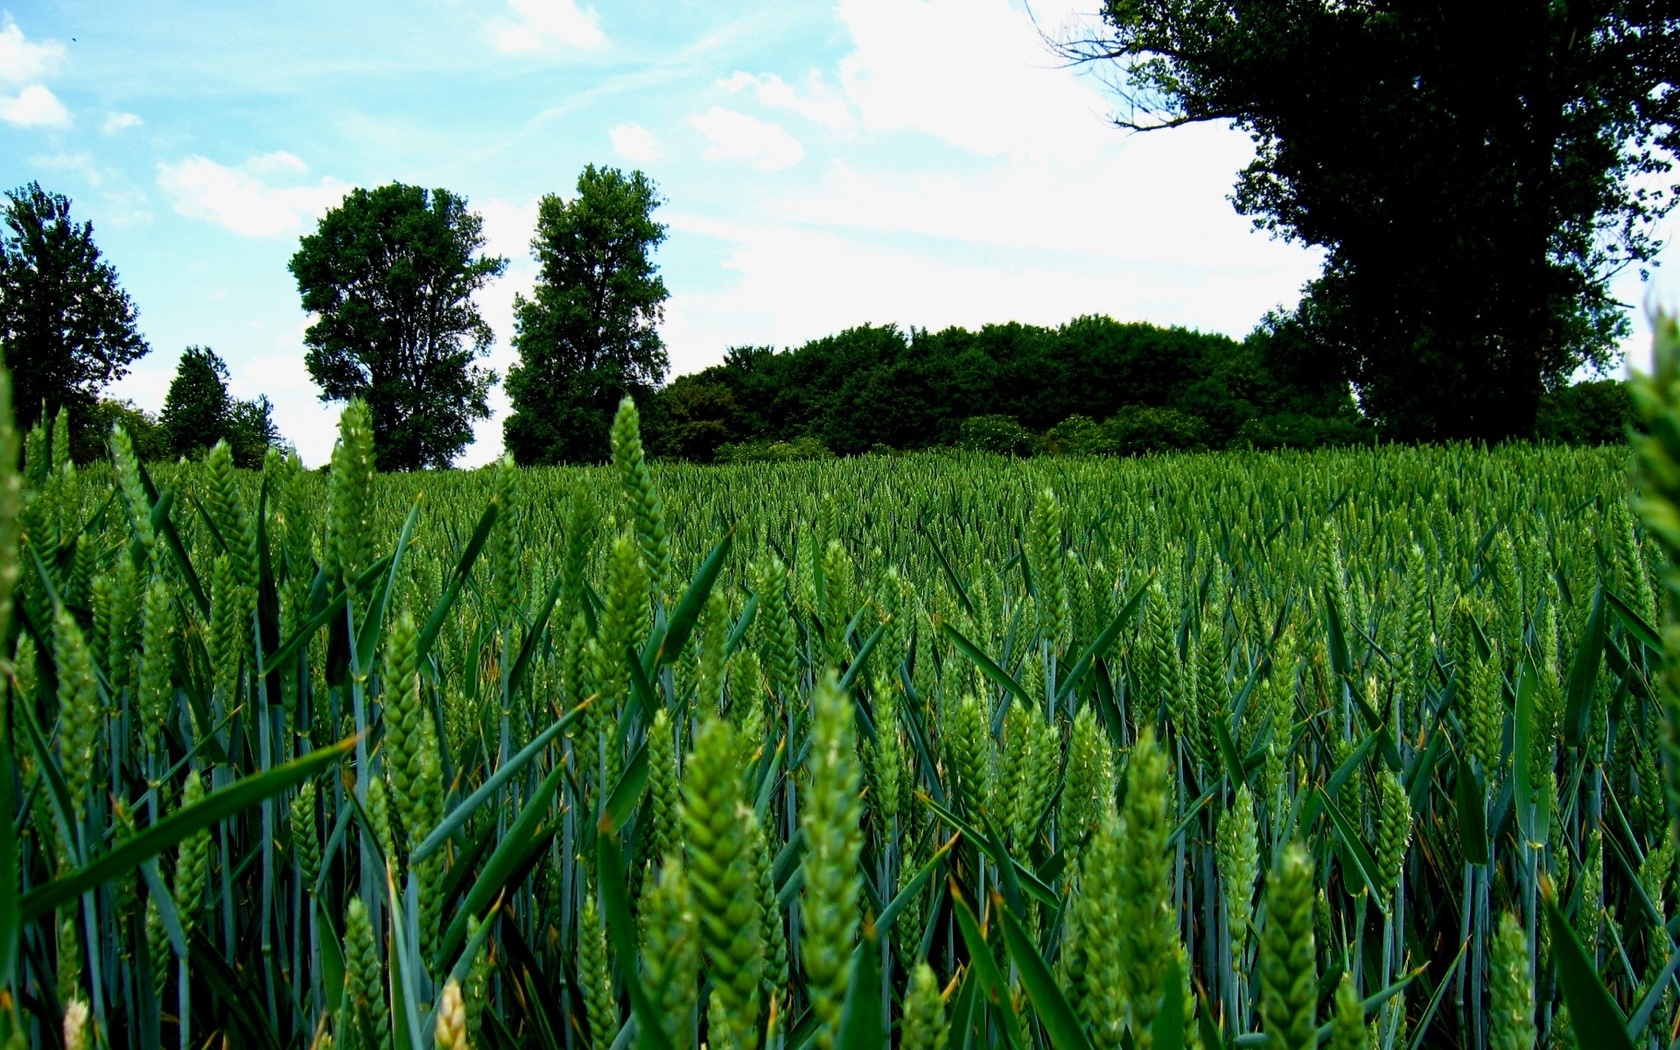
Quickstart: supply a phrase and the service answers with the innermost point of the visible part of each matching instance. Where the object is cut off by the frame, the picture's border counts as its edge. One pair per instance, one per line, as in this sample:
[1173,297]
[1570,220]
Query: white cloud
[238,200]
[821,106]
[634,142]
[921,283]
[34,107]
[279,160]
[22,61]
[731,135]
[540,24]
[119,121]
[971,73]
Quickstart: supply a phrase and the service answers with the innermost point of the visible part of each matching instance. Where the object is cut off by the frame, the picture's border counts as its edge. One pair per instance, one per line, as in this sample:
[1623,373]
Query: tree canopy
[588,335]
[198,412]
[875,386]
[1476,174]
[67,329]
[390,275]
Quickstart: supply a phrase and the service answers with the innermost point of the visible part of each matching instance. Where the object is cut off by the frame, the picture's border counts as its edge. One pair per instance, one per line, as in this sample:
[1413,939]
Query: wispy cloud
[820,105]
[116,122]
[732,135]
[236,198]
[538,25]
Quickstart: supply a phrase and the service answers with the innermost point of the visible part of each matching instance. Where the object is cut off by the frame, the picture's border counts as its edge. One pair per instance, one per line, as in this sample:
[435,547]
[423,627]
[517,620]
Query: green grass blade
[452,590]
[208,811]
[1051,1004]
[987,666]
[862,1027]
[683,617]
[1168,1028]
[493,783]
[508,857]
[1591,1009]
[1583,674]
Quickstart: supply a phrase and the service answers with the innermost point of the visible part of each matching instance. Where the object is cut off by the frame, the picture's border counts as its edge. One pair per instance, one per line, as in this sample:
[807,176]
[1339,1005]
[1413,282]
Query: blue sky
[826,164]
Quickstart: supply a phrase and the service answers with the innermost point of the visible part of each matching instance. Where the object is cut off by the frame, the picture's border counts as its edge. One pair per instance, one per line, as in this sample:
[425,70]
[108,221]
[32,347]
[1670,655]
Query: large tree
[389,275]
[1475,172]
[66,328]
[588,334]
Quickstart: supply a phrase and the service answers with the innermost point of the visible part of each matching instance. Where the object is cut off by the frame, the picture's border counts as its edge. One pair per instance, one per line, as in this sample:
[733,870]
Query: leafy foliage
[66,328]
[198,412]
[588,335]
[389,277]
[1438,176]
[880,386]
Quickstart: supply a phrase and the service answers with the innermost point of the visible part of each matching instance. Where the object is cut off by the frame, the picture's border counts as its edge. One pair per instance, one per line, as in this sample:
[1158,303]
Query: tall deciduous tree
[389,275]
[66,328]
[1476,173]
[588,334]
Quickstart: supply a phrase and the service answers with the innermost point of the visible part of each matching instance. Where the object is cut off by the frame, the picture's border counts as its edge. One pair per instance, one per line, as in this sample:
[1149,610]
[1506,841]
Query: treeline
[1091,386]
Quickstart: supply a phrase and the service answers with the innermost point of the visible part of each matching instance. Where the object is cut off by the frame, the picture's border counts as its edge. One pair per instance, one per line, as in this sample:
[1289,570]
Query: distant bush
[801,448]
[1075,436]
[1296,430]
[1002,435]
[1139,429]
[1595,413]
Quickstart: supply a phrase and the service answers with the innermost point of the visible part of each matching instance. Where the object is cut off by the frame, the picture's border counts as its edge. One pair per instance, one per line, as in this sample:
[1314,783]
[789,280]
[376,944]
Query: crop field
[931,751]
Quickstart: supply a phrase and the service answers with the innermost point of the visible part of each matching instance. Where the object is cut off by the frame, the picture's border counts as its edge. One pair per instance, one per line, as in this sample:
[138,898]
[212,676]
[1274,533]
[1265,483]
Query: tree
[251,432]
[1474,173]
[389,275]
[196,409]
[198,412]
[151,442]
[66,328]
[589,333]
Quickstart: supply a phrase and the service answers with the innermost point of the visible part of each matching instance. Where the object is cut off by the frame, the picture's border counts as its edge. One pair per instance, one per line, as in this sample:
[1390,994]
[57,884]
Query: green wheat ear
[79,712]
[127,467]
[1148,923]
[364,1000]
[831,821]
[718,826]
[349,539]
[1092,953]
[1237,851]
[671,952]
[1347,1024]
[1288,963]
[1511,1009]
[1394,833]
[626,440]
[924,1026]
[595,976]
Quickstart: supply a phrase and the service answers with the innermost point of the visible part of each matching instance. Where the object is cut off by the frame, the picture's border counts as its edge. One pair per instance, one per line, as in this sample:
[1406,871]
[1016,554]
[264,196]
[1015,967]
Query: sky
[824,164]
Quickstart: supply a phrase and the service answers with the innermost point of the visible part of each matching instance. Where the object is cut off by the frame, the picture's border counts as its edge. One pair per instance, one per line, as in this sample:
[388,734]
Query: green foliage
[67,330]
[1360,153]
[587,337]
[874,388]
[389,277]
